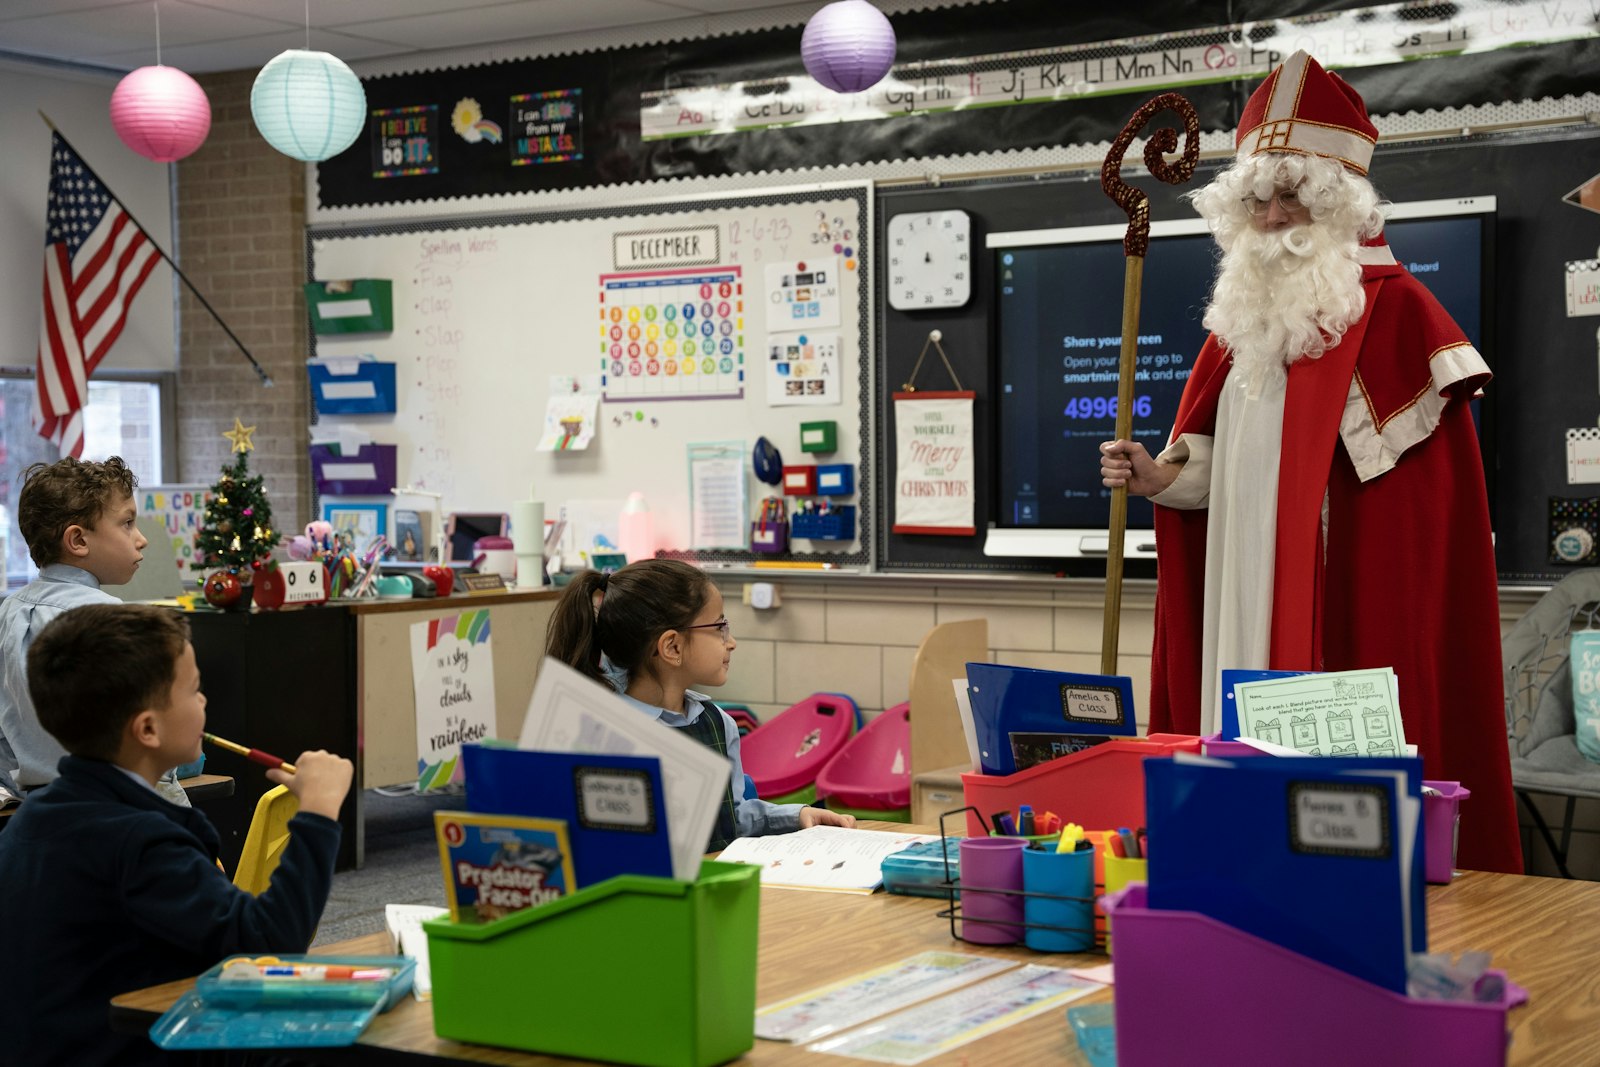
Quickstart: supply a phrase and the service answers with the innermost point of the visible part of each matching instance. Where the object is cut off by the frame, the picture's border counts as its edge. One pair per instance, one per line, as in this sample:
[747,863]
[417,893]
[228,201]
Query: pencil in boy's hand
[255,755]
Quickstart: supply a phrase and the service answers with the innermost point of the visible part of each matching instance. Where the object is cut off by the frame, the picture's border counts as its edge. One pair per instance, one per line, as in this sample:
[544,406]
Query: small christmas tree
[237,529]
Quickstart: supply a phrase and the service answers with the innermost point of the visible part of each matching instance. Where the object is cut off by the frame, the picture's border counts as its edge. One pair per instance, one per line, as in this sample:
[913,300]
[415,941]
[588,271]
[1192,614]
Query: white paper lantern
[161,113]
[848,46]
[308,105]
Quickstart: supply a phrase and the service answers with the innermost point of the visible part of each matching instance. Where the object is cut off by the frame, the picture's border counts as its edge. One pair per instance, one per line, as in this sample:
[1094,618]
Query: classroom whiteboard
[487,310]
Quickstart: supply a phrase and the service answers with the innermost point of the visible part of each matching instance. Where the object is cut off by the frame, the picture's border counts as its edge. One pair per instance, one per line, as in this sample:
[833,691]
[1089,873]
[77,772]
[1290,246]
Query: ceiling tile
[250,52]
[125,27]
[516,21]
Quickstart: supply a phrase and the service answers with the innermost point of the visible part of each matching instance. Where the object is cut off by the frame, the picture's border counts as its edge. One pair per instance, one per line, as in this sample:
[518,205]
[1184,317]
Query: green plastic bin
[635,970]
[359,305]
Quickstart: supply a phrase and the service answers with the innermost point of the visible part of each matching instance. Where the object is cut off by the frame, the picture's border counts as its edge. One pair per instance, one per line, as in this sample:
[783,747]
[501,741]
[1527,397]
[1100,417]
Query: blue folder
[1309,853]
[352,387]
[1016,709]
[613,805]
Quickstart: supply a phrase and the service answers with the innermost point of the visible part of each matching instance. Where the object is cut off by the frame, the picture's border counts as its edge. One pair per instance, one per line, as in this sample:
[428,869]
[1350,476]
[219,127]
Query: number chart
[672,334]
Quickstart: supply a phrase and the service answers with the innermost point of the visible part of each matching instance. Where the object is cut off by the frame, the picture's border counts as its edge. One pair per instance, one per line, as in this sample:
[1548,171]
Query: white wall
[79,104]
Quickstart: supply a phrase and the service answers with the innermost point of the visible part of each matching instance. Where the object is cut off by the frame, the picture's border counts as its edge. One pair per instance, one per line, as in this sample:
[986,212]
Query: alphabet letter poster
[453,672]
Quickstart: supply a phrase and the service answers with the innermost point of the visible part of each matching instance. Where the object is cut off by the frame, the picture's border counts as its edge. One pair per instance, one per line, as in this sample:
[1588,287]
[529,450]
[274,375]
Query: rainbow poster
[452,668]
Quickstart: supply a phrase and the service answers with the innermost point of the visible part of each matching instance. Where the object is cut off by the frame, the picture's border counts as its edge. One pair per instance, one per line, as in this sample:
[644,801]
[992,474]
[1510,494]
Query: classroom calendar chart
[452,668]
[672,334]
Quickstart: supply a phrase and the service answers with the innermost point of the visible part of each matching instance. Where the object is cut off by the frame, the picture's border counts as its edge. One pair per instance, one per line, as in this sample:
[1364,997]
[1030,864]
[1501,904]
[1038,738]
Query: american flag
[95,259]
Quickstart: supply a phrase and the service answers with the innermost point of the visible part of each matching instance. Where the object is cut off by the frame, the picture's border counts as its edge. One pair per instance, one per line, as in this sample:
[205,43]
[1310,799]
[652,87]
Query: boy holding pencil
[107,887]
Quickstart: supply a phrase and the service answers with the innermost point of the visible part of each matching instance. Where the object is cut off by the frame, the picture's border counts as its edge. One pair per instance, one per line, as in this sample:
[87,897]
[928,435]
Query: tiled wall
[858,636]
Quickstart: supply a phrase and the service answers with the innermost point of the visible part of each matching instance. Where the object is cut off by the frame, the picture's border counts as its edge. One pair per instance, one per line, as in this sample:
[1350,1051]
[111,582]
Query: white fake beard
[1284,295]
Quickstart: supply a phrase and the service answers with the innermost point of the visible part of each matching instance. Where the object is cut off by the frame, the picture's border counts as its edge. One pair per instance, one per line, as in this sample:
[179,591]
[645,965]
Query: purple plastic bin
[1195,991]
[1214,745]
[369,471]
[1441,822]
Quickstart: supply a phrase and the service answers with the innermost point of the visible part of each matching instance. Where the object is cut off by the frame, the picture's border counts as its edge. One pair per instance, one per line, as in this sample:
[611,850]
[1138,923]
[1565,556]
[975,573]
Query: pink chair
[785,754]
[870,778]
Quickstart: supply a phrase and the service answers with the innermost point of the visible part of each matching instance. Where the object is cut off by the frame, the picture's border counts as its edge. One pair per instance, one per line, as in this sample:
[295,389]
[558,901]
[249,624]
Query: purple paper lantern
[161,113]
[848,46]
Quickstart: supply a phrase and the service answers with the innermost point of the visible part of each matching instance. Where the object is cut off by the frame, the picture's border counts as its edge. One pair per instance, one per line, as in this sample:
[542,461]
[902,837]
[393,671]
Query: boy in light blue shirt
[78,521]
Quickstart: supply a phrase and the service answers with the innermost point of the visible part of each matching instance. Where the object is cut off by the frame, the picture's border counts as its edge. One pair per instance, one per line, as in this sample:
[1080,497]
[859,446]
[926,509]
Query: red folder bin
[1099,786]
[1195,991]
[635,970]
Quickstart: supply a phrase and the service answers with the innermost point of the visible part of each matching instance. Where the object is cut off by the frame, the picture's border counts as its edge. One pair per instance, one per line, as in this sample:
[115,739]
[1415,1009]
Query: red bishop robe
[1380,426]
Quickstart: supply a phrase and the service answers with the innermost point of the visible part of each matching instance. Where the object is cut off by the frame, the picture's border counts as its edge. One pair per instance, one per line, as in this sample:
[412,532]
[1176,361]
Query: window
[124,418]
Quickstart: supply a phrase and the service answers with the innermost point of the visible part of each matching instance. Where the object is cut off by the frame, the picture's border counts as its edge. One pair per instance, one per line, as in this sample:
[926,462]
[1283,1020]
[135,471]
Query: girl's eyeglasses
[722,626]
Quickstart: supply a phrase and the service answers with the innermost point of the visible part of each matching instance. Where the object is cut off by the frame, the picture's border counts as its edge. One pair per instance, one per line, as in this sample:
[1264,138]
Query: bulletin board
[1546,383]
[685,317]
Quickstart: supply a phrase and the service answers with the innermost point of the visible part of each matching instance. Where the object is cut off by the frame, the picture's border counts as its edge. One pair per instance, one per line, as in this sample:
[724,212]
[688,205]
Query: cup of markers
[1041,830]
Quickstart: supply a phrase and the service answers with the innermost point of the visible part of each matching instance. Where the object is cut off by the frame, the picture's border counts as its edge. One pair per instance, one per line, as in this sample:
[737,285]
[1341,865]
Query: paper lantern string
[1132,199]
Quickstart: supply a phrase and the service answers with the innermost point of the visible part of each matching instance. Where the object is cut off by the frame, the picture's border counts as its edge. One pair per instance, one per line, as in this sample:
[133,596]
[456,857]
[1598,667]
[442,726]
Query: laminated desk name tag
[357,305]
[356,386]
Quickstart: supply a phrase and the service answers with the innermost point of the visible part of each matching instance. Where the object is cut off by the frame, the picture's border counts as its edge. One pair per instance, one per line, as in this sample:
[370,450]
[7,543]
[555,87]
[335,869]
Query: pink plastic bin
[873,770]
[1195,991]
[1441,819]
[1099,786]
[786,753]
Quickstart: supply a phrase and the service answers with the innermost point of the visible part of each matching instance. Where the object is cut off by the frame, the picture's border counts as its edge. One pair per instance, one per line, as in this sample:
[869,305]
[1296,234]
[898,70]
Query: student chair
[265,841]
[870,778]
[1538,692]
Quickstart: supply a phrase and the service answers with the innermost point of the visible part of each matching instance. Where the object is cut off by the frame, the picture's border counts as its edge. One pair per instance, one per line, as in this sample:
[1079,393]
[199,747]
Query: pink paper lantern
[161,113]
[848,46]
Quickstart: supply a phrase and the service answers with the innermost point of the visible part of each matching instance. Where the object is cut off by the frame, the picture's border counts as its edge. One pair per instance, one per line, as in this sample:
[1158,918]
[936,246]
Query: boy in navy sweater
[106,886]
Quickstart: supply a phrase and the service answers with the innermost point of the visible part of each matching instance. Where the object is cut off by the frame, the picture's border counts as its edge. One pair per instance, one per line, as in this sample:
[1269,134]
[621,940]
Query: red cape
[1406,578]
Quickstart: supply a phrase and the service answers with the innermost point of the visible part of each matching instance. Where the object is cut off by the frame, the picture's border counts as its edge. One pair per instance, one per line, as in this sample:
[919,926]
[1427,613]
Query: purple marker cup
[991,863]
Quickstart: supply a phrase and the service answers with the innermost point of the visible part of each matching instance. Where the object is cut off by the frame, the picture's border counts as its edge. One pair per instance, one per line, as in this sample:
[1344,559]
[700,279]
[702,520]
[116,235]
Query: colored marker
[254,755]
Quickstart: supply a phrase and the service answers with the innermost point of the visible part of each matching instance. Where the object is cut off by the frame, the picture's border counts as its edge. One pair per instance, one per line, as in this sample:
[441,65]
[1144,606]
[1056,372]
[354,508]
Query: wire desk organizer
[1093,935]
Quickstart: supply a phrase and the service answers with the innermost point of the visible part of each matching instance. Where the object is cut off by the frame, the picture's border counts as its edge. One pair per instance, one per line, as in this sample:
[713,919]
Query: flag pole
[1135,242]
[261,373]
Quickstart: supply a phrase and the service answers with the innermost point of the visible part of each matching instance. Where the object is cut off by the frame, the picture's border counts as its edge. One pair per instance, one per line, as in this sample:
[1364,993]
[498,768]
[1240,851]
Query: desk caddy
[1099,786]
[1196,991]
[636,970]
[282,1012]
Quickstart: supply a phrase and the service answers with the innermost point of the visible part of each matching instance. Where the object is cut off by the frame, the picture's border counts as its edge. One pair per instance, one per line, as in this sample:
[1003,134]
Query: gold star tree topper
[240,436]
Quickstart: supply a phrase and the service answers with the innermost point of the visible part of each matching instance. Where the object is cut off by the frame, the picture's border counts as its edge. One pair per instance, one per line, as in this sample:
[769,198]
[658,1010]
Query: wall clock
[930,260]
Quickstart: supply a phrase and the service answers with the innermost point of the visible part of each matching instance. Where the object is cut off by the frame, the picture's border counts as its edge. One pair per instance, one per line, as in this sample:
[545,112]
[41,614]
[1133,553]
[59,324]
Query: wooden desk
[199,787]
[1536,929]
[385,697]
[206,786]
[338,676]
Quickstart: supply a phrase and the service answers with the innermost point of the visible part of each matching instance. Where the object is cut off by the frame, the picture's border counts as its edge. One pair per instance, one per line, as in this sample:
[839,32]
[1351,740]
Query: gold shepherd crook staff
[1137,204]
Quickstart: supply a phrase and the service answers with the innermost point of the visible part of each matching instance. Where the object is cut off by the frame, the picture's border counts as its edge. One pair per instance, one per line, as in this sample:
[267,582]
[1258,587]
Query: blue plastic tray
[918,871]
[281,1013]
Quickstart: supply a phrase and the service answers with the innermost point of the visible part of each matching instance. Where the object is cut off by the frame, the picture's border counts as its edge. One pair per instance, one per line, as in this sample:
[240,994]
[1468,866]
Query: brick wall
[240,224]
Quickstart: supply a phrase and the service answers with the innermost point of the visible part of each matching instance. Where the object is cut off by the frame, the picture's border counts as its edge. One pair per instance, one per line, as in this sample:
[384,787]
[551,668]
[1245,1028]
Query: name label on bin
[612,799]
[1091,703]
[1331,819]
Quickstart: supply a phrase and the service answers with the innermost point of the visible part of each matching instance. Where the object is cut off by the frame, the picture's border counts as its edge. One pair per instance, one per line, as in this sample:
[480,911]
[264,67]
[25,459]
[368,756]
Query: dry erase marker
[254,755]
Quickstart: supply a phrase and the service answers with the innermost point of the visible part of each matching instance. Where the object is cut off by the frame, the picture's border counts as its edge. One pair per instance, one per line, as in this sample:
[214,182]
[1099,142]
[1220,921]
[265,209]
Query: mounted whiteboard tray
[1061,544]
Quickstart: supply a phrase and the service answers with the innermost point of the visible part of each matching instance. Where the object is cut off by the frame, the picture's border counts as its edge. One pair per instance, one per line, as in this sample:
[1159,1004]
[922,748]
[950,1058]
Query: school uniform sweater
[106,887]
